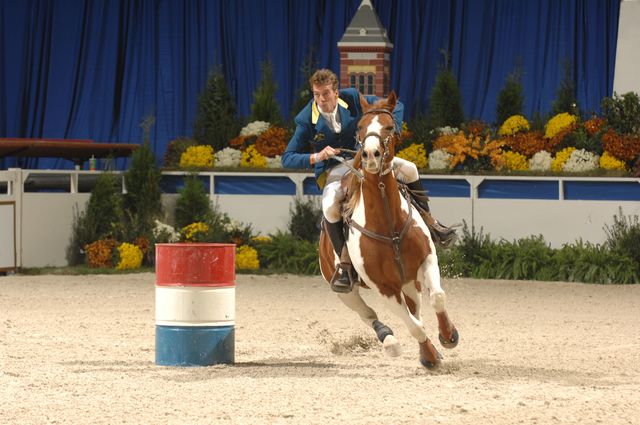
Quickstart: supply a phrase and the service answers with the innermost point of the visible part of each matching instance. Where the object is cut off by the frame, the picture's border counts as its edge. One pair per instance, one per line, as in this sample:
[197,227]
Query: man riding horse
[327,127]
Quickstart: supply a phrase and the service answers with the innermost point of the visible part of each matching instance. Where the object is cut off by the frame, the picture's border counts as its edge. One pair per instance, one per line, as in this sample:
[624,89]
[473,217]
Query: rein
[396,238]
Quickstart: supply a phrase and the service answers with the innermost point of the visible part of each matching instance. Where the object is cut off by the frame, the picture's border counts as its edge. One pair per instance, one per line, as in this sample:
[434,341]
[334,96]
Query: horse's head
[377,133]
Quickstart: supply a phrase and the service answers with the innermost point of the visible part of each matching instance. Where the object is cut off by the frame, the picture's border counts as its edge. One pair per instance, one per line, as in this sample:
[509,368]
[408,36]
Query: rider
[325,126]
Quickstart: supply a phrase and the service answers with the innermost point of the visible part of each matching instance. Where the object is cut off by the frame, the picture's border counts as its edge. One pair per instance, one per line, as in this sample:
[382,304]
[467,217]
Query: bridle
[383,142]
[396,238]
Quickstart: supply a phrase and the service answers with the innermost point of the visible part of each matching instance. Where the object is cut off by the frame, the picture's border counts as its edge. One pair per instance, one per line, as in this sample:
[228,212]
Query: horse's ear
[363,103]
[392,99]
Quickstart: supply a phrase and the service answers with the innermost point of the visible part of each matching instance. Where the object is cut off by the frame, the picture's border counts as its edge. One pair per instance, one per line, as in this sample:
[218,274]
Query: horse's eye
[389,128]
[377,154]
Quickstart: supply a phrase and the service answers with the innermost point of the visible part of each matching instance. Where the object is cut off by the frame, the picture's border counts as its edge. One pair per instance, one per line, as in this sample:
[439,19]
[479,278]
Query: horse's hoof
[391,346]
[430,357]
[429,365]
[450,343]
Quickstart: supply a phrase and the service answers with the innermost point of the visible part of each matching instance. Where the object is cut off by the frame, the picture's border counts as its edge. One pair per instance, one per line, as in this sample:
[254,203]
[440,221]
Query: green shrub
[624,236]
[175,149]
[101,218]
[289,254]
[304,219]
[216,119]
[566,95]
[445,102]
[193,203]
[265,107]
[622,112]
[303,95]
[510,98]
[142,201]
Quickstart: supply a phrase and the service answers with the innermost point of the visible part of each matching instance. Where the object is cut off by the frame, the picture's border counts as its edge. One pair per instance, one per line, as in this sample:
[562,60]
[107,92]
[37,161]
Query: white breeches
[333,195]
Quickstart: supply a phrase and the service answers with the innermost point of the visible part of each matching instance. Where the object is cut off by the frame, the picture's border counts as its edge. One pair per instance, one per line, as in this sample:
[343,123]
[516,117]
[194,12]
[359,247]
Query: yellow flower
[514,124]
[558,123]
[515,161]
[610,162]
[191,232]
[261,239]
[561,158]
[247,258]
[130,256]
[415,153]
[252,158]
[200,156]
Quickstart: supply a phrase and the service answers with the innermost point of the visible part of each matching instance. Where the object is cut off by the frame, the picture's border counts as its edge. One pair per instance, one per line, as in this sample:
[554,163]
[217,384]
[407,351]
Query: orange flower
[623,146]
[272,142]
[100,253]
[593,125]
[527,143]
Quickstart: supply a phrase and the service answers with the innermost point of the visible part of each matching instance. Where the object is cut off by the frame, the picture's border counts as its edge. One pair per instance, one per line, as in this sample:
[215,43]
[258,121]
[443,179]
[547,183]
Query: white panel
[266,213]
[7,236]
[627,51]
[559,222]
[47,223]
[195,306]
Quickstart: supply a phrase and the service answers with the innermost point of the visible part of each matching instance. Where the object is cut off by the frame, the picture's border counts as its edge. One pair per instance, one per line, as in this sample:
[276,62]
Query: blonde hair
[322,77]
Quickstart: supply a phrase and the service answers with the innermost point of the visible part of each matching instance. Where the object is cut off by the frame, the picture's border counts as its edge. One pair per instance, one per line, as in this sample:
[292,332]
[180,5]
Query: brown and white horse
[390,245]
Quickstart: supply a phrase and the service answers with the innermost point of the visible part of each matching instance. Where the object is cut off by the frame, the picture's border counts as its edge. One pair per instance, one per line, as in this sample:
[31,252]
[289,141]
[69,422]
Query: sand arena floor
[80,350]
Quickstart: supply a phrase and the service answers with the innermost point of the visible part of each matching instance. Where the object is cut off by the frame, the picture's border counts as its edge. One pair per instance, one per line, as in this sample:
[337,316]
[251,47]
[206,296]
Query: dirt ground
[80,349]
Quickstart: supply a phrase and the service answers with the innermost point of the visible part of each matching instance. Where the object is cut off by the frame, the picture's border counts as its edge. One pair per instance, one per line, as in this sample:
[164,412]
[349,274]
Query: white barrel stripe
[195,306]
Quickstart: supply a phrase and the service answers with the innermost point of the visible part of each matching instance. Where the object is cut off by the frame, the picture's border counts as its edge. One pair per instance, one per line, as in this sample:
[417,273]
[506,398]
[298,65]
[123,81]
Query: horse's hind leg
[354,301]
[448,334]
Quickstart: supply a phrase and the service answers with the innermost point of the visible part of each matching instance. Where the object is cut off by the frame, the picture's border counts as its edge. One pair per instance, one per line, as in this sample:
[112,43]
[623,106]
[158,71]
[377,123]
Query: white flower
[228,157]
[447,130]
[232,225]
[439,159]
[581,160]
[254,128]
[166,232]
[540,161]
[274,162]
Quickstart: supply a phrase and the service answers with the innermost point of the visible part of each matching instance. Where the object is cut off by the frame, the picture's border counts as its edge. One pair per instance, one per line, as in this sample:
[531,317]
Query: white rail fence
[37,206]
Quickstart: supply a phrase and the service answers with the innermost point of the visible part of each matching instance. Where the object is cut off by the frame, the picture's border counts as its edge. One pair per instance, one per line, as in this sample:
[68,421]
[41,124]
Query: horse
[389,243]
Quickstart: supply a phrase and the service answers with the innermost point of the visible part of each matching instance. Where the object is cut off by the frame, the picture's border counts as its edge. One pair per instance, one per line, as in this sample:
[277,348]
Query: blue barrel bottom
[194,346]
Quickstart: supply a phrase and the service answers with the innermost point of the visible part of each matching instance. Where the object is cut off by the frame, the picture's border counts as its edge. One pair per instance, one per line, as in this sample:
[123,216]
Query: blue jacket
[313,135]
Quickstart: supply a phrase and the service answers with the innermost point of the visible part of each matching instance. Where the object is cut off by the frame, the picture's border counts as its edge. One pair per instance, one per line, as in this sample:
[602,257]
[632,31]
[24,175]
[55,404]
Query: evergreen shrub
[510,99]
[304,219]
[265,106]
[445,101]
[193,204]
[216,120]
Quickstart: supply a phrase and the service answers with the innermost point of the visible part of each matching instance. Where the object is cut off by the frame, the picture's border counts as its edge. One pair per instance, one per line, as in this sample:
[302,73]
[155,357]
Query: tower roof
[365,29]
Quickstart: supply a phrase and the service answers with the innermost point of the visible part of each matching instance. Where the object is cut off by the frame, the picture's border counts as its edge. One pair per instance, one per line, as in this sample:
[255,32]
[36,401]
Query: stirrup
[442,236]
[338,284]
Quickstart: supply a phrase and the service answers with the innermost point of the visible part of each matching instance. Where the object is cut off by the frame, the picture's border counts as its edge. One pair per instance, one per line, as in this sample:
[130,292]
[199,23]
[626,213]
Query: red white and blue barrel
[195,304]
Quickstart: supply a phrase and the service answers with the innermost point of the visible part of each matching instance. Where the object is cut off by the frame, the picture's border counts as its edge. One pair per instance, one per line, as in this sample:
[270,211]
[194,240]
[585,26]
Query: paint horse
[390,245]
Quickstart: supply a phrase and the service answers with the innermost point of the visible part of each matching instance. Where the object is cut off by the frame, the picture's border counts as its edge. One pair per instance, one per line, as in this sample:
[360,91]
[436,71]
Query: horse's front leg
[448,334]
[354,301]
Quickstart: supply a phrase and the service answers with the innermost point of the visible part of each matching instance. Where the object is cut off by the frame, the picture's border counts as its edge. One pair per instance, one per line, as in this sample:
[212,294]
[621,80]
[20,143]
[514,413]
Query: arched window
[352,80]
[361,83]
[370,85]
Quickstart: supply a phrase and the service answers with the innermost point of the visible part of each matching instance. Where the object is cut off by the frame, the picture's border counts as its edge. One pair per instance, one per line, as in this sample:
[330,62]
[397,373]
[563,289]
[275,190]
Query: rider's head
[324,85]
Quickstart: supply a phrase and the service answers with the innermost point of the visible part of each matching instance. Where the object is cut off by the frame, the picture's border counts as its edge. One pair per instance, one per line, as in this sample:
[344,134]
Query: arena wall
[561,209]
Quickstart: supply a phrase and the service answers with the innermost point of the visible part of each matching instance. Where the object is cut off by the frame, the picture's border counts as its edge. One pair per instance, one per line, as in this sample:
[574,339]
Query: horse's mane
[352,187]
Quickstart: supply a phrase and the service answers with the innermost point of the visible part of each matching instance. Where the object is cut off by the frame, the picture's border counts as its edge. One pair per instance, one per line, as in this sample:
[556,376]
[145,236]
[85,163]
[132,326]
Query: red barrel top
[195,264]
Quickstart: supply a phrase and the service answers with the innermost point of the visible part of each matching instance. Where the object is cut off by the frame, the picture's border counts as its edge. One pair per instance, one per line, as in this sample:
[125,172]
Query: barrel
[195,304]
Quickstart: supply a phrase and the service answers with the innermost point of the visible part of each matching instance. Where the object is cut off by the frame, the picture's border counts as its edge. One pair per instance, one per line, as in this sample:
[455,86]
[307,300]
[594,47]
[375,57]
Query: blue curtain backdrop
[96,69]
